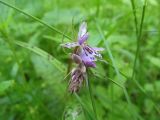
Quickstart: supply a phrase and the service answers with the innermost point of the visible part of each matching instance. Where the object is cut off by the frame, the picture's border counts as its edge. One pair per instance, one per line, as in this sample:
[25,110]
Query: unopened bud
[77,59]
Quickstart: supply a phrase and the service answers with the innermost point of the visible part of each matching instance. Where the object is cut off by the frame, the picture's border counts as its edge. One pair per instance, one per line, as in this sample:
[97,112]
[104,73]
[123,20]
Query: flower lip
[90,64]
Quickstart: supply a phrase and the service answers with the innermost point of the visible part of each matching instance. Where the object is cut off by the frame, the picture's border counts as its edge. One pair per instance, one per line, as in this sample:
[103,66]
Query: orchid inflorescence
[84,56]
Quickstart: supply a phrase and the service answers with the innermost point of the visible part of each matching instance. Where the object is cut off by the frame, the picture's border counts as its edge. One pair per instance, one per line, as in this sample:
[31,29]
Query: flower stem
[91,96]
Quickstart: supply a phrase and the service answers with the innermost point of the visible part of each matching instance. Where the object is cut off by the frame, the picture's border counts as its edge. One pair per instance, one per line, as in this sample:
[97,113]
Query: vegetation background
[124,86]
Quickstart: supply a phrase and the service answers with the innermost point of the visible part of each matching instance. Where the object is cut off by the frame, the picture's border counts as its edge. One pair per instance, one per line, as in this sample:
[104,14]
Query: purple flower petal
[82,29]
[93,51]
[84,54]
[82,34]
[97,49]
[82,39]
[87,58]
[90,64]
[70,45]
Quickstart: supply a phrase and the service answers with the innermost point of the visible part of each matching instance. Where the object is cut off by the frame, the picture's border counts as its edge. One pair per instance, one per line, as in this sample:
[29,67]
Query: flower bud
[77,59]
[77,77]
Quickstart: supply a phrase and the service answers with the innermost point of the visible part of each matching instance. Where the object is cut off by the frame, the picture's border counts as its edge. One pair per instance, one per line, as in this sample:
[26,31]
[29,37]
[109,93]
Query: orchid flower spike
[87,54]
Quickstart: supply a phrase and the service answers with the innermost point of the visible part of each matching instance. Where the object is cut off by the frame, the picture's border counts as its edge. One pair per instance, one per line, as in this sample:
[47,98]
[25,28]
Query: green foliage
[125,85]
[4,85]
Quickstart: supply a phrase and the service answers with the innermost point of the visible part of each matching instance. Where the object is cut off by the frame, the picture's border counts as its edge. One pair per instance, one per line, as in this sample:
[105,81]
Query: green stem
[135,16]
[139,86]
[112,60]
[9,41]
[35,18]
[91,97]
[138,41]
[83,106]
[139,35]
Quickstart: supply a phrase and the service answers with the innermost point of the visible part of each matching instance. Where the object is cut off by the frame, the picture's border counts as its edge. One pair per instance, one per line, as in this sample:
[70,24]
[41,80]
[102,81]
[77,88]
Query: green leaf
[44,54]
[4,85]
[155,61]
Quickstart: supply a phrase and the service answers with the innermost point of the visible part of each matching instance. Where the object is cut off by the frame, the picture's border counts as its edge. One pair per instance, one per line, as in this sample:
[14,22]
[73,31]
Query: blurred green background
[33,65]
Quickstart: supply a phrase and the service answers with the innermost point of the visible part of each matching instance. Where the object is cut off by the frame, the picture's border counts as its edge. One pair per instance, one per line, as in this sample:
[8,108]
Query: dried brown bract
[77,77]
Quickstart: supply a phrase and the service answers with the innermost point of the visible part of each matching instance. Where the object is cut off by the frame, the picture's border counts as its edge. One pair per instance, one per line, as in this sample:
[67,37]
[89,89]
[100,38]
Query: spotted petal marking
[87,58]
[70,45]
[92,51]
[89,54]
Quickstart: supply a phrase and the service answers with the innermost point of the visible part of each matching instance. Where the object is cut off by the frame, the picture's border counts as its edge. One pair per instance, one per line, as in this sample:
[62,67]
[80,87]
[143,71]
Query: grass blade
[135,16]
[35,18]
[139,39]
[91,96]
[115,67]
[83,106]
[44,54]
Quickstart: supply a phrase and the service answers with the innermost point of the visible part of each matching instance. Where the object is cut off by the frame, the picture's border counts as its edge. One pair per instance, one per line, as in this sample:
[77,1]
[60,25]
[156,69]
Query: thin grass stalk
[125,94]
[83,105]
[138,40]
[14,55]
[137,53]
[108,49]
[10,43]
[35,18]
[115,67]
[135,16]
[112,59]
[91,96]
[98,7]
[139,86]
[127,77]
